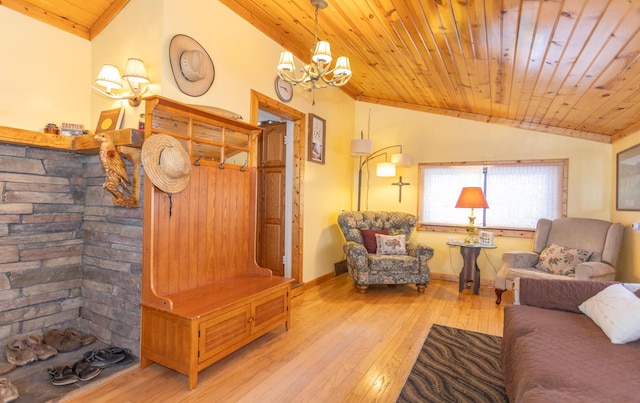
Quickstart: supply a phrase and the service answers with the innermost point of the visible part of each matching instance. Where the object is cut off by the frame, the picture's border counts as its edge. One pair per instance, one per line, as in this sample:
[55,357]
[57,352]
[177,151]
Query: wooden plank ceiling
[568,67]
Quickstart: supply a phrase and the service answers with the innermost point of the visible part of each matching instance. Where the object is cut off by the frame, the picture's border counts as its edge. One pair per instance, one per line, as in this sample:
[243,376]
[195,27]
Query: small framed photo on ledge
[485,238]
[317,136]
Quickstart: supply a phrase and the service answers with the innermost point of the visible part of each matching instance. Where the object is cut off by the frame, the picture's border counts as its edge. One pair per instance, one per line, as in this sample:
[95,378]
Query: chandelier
[317,74]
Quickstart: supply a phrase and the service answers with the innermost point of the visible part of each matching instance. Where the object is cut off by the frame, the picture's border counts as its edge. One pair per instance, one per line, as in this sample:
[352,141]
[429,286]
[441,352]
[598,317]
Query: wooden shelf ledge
[85,144]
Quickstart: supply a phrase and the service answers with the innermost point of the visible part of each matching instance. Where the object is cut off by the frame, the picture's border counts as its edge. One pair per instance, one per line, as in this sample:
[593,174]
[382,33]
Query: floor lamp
[363,147]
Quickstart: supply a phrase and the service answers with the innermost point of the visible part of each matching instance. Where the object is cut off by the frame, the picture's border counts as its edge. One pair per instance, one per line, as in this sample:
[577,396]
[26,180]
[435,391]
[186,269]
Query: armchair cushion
[557,259]
[391,245]
[369,238]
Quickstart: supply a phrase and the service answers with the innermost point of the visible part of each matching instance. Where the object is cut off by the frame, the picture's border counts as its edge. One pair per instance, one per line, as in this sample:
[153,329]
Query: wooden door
[271,197]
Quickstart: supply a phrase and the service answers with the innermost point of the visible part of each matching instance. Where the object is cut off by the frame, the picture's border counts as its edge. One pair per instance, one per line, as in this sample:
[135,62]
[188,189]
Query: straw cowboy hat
[166,163]
[191,66]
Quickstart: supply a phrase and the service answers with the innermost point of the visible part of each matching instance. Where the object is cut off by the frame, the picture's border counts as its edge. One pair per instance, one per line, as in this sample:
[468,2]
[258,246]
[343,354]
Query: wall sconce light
[471,197]
[383,169]
[135,74]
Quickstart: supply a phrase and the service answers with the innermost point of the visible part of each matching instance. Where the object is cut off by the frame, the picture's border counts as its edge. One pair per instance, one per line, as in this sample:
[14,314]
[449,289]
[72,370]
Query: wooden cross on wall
[400,184]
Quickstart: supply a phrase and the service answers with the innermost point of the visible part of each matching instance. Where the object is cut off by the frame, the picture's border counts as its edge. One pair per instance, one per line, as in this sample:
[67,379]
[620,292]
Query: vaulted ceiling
[569,67]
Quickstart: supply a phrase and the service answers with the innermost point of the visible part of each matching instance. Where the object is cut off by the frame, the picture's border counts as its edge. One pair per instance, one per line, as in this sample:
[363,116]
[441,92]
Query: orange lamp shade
[472,197]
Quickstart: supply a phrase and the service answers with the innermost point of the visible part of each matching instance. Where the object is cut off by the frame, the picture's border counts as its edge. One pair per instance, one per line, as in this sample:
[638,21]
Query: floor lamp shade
[361,147]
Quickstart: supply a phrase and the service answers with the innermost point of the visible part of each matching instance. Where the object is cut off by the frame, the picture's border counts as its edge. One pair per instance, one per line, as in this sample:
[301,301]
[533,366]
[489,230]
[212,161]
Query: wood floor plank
[342,346]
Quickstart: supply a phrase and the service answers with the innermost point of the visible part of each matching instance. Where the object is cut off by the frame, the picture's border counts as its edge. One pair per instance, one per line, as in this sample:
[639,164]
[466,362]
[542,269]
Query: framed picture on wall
[628,179]
[317,136]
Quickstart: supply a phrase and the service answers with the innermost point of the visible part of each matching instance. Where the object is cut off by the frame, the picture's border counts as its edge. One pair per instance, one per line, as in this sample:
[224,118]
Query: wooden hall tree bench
[203,295]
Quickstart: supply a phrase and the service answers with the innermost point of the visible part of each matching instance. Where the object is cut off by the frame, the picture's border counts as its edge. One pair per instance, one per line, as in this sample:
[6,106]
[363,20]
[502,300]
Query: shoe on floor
[62,375]
[18,354]
[43,351]
[102,358]
[59,340]
[83,338]
[5,368]
[8,391]
[85,370]
[128,356]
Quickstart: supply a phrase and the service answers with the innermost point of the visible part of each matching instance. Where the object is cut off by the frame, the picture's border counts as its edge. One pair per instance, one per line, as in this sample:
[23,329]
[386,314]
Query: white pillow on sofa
[616,310]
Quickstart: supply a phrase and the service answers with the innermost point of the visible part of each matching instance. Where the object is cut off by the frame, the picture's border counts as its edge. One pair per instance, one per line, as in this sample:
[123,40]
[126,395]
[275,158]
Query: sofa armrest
[520,259]
[561,295]
[595,271]
[419,250]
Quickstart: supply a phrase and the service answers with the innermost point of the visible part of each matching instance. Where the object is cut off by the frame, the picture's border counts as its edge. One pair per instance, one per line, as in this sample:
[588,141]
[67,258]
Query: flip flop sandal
[85,371]
[8,391]
[102,358]
[62,376]
[128,356]
[43,351]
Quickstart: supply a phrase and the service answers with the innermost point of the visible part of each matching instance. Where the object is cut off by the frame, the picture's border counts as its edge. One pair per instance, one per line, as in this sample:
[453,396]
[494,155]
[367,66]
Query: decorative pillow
[615,310]
[391,244]
[369,238]
[557,259]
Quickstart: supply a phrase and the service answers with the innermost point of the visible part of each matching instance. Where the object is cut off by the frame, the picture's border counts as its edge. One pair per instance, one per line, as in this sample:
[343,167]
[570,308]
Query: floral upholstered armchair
[379,252]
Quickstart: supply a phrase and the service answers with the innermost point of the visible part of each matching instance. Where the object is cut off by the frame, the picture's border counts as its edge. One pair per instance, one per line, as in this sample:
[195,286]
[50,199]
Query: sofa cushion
[558,259]
[391,244]
[369,238]
[615,310]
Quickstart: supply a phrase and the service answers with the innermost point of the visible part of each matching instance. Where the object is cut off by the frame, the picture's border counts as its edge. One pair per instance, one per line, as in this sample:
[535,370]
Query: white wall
[44,74]
[436,138]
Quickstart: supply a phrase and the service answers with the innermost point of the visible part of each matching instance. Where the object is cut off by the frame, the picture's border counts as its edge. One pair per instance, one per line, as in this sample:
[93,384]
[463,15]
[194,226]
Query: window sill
[459,229]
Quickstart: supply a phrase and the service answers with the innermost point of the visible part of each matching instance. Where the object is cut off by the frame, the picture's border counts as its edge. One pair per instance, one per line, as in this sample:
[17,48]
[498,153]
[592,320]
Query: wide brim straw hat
[166,163]
[191,65]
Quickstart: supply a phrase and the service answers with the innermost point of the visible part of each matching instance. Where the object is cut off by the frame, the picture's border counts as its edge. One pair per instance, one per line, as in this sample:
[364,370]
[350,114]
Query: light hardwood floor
[342,347]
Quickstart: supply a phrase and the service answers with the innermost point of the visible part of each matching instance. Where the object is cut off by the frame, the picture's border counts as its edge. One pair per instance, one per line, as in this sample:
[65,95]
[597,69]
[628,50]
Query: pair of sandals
[91,365]
[80,371]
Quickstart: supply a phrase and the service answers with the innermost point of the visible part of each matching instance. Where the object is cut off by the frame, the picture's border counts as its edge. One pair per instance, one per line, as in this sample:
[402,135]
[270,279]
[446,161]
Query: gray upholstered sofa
[552,352]
[600,238]
[371,266]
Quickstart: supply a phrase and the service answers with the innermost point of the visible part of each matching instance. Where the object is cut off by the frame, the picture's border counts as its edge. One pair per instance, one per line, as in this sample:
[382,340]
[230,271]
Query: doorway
[296,121]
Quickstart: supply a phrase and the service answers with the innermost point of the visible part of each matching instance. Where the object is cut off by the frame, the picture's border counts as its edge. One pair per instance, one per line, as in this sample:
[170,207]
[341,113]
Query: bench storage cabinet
[203,295]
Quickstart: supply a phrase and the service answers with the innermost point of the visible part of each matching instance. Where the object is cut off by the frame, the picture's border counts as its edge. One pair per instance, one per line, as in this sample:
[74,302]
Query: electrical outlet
[636,226]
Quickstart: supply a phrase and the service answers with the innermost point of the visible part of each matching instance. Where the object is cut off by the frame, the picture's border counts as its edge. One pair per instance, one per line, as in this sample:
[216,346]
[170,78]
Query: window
[518,192]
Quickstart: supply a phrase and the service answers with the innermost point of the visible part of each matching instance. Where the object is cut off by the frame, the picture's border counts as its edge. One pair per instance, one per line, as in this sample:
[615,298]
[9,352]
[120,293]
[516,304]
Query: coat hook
[222,163]
[243,166]
[197,162]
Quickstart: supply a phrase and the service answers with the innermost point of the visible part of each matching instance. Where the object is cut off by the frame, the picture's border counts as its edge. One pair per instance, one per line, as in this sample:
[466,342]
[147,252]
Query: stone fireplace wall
[68,256]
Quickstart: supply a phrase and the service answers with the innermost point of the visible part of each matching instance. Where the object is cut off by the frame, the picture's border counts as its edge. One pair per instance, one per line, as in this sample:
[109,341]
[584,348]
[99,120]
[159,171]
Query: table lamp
[471,197]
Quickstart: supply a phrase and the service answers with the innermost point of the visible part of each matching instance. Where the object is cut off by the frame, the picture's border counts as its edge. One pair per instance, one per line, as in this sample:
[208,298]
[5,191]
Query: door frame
[259,102]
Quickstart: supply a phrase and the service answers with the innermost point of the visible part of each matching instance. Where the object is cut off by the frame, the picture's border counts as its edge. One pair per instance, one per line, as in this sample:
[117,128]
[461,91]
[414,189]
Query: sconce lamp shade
[402,160]
[386,169]
[361,147]
[135,71]
[109,77]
